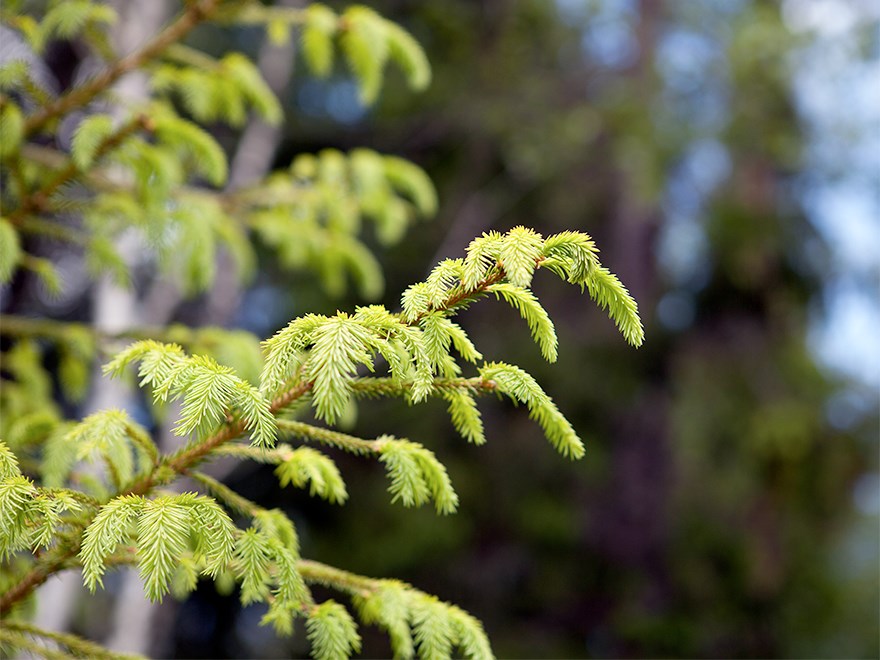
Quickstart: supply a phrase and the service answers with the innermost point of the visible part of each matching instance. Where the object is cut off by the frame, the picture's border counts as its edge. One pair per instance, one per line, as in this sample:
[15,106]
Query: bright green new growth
[109,435]
[306,465]
[332,631]
[30,516]
[208,389]
[163,530]
[416,475]
[105,498]
[316,358]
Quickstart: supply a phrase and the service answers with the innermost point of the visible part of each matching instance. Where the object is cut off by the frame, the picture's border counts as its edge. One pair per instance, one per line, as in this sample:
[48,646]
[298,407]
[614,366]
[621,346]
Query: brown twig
[39,200]
[194,14]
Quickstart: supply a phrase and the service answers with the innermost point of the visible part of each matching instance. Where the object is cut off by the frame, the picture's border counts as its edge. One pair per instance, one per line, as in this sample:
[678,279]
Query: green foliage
[368,42]
[388,606]
[416,344]
[415,620]
[416,475]
[332,631]
[521,387]
[306,465]
[11,129]
[156,174]
[47,644]
[194,145]
[91,133]
[110,436]
[221,90]
[265,554]
[366,50]
[67,19]
[465,415]
[573,256]
[10,251]
[164,529]
[311,215]
[606,289]
[408,54]
[317,39]
[536,316]
[207,388]
[30,516]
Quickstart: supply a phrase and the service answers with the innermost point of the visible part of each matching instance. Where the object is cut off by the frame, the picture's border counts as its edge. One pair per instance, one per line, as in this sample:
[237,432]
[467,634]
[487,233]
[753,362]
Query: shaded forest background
[717,512]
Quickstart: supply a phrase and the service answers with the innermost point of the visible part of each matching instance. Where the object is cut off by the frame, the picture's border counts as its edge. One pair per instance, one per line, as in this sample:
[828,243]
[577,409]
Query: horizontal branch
[22,642]
[389,387]
[344,441]
[224,493]
[60,331]
[329,576]
[77,645]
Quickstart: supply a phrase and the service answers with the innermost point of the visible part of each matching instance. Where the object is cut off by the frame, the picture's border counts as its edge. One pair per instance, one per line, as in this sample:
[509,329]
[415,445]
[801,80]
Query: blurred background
[725,155]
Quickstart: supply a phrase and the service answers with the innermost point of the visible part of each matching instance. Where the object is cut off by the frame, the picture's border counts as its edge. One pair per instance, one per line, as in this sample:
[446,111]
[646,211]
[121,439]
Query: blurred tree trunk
[114,309]
[631,517]
[253,159]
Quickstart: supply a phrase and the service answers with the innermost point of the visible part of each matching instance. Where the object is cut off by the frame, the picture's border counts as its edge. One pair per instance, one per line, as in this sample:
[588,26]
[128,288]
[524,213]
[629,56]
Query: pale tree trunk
[136,618]
[115,309]
[253,159]
[133,613]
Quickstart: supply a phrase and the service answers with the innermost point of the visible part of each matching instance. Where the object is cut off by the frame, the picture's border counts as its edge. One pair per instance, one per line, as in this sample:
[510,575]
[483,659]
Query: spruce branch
[109,343]
[165,472]
[39,200]
[331,438]
[370,387]
[23,642]
[196,12]
[503,262]
[315,572]
[46,566]
[410,616]
[225,494]
[416,474]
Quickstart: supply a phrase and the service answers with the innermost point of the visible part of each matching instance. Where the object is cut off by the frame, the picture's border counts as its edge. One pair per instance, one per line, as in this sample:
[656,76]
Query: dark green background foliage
[712,515]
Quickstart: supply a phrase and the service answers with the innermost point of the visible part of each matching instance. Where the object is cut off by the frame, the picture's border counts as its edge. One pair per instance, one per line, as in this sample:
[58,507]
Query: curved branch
[329,576]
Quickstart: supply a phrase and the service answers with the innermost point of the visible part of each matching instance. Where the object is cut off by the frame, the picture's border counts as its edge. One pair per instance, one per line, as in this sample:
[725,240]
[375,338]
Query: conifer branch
[18,640]
[415,473]
[48,564]
[187,457]
[38,201]
[330,576]
[325,436]
[377,386]
[411,617]
[174,537]
[165,472]
[225,494]
[196,12]
[60,332]
[77,646]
